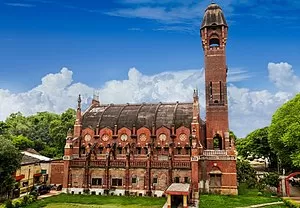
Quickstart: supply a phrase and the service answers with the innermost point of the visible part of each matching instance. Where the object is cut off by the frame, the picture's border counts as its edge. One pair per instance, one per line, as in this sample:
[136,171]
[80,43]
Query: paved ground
[263,205]
[52,193]
[196,205]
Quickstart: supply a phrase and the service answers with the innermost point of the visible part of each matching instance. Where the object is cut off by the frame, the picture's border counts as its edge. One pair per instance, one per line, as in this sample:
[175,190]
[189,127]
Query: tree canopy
[256,144]
[284,133]
[44,131]
[10,159]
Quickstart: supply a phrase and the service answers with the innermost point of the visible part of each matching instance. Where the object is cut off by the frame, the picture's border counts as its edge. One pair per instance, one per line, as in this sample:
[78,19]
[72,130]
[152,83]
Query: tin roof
[139,115]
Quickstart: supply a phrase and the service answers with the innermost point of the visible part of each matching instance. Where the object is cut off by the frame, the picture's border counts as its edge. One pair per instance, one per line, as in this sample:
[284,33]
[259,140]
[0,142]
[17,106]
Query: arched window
[217,142]
[214,42]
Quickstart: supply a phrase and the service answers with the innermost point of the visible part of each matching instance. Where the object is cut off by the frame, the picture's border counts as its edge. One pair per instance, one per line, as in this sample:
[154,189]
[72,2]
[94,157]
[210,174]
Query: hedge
[21,202]
[291,203]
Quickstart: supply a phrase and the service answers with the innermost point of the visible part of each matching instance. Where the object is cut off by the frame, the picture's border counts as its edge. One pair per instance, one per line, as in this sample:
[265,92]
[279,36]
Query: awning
[20,177]
[179,189]
[37,175]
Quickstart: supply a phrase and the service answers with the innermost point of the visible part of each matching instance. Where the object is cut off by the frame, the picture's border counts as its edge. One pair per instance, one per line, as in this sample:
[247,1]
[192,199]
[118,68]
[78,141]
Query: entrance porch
[178,194]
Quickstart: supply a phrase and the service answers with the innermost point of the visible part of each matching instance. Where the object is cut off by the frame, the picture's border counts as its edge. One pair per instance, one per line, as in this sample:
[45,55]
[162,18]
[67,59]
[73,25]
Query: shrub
[246,174]
[291,203]
[25,201]
[271,179]
[8,204]
[17,203]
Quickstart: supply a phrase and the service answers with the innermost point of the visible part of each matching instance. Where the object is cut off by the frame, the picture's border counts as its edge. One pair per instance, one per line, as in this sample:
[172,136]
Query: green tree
[284,133]
[18,124]
[4,130]
[10,159]
[245,173]
[59,129]
[257,144]
[40,126]
[22,143]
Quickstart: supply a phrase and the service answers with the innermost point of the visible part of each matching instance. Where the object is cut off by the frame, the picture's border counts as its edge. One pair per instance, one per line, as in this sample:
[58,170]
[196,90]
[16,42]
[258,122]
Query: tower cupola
[213,16]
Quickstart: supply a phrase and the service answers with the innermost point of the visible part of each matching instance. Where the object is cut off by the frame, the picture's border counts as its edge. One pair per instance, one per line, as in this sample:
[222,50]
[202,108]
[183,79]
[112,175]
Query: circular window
[182,137]
[163,137]
[105,137]
[124,137]
[87,138]
[143,137]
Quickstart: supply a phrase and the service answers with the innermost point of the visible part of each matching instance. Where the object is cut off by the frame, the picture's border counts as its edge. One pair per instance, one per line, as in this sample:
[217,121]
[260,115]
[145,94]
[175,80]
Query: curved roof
[213,16]
[139,115]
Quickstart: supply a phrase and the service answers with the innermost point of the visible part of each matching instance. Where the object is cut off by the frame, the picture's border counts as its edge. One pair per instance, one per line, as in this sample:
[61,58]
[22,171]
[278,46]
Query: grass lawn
[245,198]
[76,201]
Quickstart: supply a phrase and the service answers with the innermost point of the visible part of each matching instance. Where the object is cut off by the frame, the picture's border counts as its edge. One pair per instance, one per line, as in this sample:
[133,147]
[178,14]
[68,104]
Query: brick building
[148,149]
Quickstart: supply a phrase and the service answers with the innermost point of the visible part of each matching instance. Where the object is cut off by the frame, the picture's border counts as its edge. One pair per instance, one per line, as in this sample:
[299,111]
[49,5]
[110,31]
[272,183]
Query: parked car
[41,189]
[56,187]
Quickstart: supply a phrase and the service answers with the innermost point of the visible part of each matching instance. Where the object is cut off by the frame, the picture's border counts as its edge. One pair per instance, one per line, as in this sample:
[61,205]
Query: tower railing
[214,152]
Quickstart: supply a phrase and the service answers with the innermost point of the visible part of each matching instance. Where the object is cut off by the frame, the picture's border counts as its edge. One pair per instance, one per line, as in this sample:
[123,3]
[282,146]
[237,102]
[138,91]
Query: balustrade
[214,152]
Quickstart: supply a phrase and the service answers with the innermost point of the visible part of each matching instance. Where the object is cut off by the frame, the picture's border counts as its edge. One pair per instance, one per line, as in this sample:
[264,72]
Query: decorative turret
[78,122]
[96,101]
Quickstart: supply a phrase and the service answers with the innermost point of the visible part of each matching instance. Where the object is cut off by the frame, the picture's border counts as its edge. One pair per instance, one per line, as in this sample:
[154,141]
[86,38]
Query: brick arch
[167,132]
[287,184]
[147,132]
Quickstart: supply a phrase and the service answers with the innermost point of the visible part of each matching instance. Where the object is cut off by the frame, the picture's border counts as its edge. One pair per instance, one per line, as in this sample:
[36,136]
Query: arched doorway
[291,185]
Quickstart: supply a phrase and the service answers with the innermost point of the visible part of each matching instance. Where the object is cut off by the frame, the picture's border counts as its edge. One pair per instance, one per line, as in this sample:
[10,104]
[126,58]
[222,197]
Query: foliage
[117,201]
[232,136]
[18,124]
[291,203]
[10,159]
[257,144]
[284,133]
[22,143]
[245,173]
[45,132]
[20,202]
[271,179]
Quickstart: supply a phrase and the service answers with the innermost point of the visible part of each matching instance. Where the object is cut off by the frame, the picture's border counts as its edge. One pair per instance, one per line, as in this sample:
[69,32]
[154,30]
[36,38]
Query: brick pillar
[127,175]
[67,158]
[148,177]
[66,174]
[106,178]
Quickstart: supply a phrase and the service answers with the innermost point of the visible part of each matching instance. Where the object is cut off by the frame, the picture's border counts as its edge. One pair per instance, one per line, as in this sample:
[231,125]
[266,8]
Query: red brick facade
[142,149]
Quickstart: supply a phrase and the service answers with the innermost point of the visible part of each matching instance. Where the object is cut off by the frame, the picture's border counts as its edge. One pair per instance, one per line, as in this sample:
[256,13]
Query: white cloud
[19,5]
[56,93]
[248,109]
[282,75]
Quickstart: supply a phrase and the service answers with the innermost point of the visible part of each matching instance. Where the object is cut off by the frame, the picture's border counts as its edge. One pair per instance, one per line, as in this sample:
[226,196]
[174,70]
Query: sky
[145,51]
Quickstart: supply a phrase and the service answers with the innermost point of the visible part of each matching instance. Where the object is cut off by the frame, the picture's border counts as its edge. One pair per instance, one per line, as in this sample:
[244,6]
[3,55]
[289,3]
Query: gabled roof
[30,158]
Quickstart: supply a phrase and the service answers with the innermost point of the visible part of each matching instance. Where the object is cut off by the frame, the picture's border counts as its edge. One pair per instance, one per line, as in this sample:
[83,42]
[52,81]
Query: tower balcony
[214,152]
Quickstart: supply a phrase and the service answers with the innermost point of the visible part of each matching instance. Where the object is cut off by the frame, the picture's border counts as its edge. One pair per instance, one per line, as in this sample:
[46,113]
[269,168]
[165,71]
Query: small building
[35,169]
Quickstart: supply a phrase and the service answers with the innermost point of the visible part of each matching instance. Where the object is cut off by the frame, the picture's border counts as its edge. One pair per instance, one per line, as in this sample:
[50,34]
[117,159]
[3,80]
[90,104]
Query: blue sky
[99,41]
